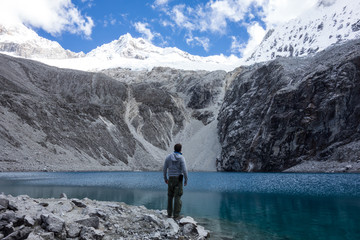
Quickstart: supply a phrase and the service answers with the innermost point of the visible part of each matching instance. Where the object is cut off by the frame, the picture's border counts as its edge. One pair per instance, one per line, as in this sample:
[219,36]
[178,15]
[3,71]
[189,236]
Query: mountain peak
[125,46]
[19,40]
[331,22]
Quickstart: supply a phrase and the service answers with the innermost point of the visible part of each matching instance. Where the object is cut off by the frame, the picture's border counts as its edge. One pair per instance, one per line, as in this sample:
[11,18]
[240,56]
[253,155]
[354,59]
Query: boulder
[78,203]
[63,195]
[89,233]
[4,203]
[19,234]
[89,222]
[52,223]
[73,230]
[29,221]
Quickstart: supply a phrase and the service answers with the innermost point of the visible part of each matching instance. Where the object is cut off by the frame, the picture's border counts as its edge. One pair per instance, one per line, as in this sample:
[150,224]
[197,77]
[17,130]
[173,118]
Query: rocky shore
[23,217]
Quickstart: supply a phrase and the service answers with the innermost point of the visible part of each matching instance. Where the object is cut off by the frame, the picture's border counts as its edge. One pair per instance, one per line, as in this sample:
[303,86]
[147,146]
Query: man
[175,168]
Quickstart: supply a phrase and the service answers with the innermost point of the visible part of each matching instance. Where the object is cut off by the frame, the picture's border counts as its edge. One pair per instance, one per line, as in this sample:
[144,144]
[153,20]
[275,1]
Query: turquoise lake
[250,206]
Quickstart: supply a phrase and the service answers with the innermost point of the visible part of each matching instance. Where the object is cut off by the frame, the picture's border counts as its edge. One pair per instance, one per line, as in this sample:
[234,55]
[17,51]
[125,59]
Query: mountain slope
[61,119]
[331,22]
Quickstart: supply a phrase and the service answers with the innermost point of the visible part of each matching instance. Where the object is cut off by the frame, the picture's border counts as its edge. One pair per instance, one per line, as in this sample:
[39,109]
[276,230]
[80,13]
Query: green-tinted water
[231,205]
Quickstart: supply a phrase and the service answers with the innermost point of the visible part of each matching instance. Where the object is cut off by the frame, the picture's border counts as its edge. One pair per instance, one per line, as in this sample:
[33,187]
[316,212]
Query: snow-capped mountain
[330,22]
[18,40]
[138,48]
[140,54]
[125,52]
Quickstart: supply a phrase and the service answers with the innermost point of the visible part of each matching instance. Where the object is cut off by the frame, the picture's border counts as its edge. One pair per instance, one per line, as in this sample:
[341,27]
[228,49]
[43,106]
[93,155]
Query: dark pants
[175,191]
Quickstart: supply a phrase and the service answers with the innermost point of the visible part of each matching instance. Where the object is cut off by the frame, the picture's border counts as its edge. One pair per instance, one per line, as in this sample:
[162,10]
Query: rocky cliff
[293,111]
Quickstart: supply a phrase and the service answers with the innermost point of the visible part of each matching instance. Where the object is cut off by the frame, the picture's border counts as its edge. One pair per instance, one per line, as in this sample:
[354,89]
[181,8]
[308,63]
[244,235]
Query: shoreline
[23,217]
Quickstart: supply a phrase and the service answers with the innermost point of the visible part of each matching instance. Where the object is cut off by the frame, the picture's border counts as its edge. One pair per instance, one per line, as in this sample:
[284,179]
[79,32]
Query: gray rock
[20,234]
[189,229]
[8,229]
[89,222]
[98,213]
[3,223]
[12,206]
[78,203]
[4,203]
[29,221]
[73,230]
[8,216]
[44,204]
[89,233]
[63,195]
[52,223]
[47,236]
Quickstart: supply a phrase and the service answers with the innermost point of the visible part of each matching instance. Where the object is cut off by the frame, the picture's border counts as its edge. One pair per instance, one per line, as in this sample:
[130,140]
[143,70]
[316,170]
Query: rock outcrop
[23,217]
[290,111]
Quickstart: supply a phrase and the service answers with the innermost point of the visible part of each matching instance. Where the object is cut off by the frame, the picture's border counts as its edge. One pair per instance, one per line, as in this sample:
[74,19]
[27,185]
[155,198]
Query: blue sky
[200,27]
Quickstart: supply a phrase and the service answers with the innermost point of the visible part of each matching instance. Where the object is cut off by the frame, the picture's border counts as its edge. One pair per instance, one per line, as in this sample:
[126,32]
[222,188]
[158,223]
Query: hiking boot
[177,218]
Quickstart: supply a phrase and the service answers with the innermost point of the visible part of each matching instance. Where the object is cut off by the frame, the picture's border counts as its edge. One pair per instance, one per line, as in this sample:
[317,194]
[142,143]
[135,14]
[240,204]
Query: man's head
[177,147]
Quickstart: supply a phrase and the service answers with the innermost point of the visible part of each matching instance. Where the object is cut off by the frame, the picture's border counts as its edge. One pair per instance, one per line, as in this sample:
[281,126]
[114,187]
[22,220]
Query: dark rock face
[278,114]
[158,117]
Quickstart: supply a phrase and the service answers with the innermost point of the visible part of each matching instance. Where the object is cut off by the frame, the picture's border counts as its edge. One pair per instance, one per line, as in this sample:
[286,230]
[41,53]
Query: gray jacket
[174,166]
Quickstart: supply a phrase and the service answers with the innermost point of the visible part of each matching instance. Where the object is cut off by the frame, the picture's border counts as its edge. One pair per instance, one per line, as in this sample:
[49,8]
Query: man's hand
[185,184]
[166,181]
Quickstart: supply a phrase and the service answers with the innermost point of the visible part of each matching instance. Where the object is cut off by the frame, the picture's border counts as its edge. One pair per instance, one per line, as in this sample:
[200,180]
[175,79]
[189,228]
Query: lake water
[252,206]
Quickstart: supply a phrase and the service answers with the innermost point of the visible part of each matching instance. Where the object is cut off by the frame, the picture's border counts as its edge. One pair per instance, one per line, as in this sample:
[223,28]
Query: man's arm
[165,171]
[184,170]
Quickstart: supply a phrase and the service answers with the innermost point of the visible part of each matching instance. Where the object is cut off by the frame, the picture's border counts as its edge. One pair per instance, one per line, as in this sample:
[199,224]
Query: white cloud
[280,11]
[256,33]
[178,15]
[55,17]
[199,41]
[144,29]
[214,17]
[160,2]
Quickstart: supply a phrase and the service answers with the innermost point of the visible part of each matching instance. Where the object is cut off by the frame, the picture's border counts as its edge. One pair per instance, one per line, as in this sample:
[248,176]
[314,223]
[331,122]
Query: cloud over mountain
[55,17]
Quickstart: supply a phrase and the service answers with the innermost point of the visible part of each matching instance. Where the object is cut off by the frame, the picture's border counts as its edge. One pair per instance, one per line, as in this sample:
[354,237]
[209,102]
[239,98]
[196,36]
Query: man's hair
[177,147]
